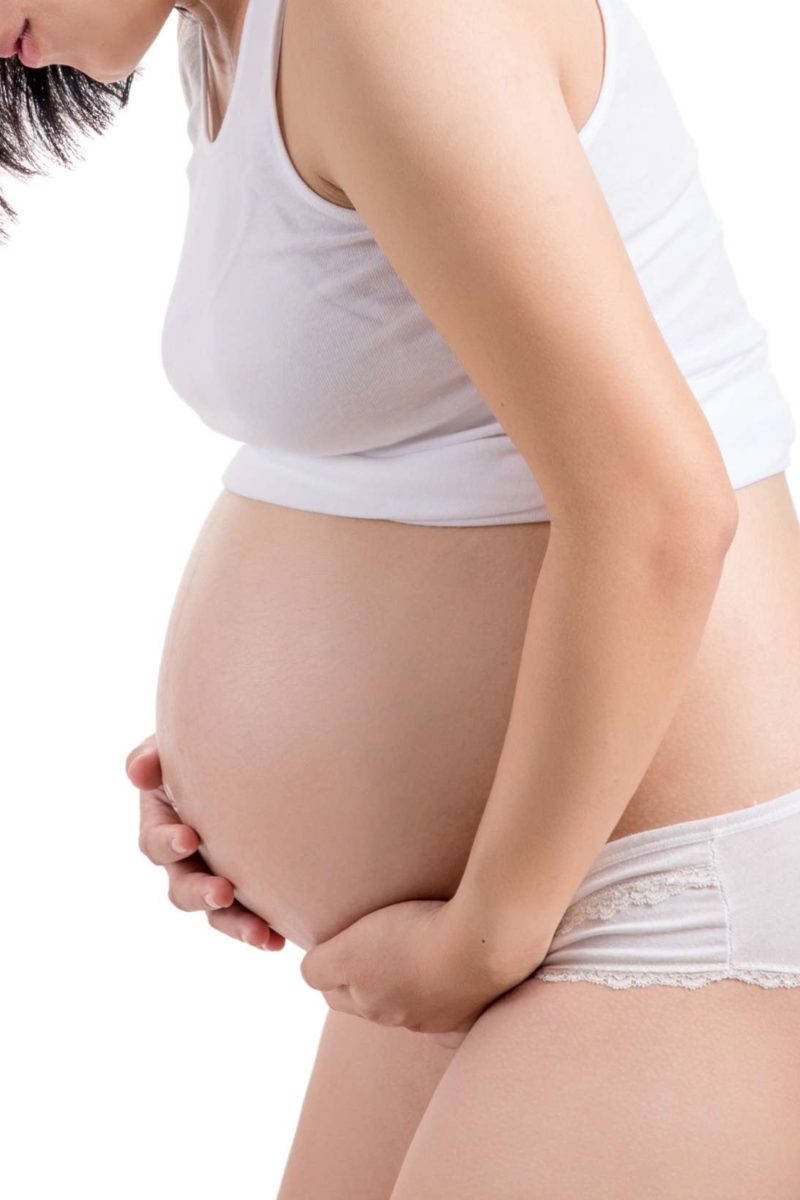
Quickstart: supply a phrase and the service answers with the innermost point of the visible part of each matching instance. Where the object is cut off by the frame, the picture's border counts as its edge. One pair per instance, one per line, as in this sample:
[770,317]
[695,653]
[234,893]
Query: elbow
[679,527]
[696,532]
[710,518]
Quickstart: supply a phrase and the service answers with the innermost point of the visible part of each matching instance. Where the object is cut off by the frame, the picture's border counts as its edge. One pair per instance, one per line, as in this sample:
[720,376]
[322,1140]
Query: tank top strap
[247,118]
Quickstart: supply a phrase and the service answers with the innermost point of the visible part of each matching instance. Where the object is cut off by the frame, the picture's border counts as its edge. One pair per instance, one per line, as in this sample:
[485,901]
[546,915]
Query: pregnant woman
[482,684]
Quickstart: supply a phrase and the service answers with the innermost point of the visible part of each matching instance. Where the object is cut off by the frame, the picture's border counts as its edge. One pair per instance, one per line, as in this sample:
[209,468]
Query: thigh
[657,1093]
[368,1090]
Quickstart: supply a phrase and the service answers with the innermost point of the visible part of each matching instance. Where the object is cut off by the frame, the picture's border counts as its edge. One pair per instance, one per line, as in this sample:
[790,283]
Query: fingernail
[178,846]
[211,902]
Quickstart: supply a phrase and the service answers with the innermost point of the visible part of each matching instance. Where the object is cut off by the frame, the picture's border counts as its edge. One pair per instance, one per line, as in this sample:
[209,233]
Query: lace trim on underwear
[626,979]
[650,889]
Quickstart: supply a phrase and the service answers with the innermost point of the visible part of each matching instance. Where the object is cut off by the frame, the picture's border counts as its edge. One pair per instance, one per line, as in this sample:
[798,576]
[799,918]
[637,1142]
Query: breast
[332,701]
[290,331]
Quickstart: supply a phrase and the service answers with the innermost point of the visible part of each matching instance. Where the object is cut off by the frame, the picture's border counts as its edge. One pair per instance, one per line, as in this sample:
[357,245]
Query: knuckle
[176,898]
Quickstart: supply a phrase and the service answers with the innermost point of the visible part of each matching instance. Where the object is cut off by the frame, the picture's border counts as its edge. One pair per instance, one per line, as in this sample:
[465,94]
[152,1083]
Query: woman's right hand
[173,845]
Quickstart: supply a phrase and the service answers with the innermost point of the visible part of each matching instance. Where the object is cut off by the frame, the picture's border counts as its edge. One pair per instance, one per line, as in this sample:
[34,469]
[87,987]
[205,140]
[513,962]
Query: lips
[10,43]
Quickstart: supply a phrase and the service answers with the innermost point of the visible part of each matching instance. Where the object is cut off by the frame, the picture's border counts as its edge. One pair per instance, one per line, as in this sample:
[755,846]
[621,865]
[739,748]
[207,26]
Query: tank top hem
[288,330]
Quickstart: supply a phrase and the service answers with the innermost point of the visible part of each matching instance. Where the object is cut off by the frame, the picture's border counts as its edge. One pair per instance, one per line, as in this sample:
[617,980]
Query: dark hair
[42,109]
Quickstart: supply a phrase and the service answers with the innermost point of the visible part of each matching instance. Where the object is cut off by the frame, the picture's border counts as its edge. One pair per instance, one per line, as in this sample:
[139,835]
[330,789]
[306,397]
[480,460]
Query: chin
[111,76]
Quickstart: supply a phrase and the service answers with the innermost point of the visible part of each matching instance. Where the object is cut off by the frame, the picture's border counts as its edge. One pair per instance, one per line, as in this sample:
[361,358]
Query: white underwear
[688,904]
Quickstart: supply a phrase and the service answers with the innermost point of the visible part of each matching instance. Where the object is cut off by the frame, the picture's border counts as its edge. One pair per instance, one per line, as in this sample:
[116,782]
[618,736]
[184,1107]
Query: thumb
[322,966]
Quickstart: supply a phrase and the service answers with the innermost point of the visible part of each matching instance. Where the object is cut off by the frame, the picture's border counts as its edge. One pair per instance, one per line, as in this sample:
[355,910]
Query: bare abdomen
[332,702]
[334,694]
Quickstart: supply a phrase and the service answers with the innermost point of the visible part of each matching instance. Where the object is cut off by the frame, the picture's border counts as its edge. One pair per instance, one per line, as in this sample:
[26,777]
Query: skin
[508,1056]
[738,733]
[106,41]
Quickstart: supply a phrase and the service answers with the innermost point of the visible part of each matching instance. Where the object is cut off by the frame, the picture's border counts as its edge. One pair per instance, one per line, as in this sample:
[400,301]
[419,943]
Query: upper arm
[452,140]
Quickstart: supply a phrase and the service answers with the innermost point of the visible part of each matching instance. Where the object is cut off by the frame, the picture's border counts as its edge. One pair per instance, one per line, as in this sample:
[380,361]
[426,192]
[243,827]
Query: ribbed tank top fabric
[288,330]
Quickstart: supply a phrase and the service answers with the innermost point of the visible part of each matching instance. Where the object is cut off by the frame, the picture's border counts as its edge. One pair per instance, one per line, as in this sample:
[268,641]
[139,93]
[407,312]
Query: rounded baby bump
[332,703]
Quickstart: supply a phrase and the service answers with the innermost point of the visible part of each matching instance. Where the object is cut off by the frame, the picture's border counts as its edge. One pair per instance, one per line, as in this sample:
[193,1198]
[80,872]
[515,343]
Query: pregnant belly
[332,702]
[334,694]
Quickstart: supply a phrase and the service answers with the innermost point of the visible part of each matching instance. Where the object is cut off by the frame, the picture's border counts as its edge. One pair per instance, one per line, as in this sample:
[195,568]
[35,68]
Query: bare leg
[368,1090]
[655,1093]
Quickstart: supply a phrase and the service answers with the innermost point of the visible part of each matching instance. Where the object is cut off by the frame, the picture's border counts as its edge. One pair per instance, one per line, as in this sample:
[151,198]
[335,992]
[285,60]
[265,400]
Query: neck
[222,26]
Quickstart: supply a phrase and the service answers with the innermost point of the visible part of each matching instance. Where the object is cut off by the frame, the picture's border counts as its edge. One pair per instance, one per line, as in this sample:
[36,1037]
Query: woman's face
[105,39]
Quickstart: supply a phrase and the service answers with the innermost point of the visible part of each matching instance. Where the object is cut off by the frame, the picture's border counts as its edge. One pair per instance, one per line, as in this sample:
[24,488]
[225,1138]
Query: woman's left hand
[412,964]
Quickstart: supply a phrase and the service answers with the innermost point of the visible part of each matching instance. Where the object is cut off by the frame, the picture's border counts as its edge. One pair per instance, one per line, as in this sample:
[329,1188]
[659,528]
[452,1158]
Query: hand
[412,964]
[171,844]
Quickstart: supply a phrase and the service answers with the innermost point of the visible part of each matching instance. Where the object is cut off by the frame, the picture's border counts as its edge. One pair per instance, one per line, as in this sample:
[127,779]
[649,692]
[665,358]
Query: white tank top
[288,330]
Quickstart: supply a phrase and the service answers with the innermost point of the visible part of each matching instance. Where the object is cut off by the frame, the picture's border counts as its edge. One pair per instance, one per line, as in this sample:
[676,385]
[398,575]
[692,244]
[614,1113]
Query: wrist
[500,943]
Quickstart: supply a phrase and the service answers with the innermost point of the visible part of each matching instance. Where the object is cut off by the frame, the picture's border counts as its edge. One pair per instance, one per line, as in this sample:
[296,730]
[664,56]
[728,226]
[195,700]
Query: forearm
[615,624]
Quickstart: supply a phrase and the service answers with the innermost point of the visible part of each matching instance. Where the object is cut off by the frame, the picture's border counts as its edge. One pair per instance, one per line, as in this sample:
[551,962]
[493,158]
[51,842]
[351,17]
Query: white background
[144,1053]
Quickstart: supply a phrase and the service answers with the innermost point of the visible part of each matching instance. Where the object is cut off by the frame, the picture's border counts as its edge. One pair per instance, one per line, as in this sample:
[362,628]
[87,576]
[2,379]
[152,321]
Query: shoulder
[415,66]
[395,29]
[454,142]
[400,13]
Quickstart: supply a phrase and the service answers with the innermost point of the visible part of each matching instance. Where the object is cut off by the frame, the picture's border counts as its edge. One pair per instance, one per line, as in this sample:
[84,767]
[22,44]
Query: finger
[143,767]
[193,889]
[148,743]
[322,965]
[168,843]
[154,813]
[239,922]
